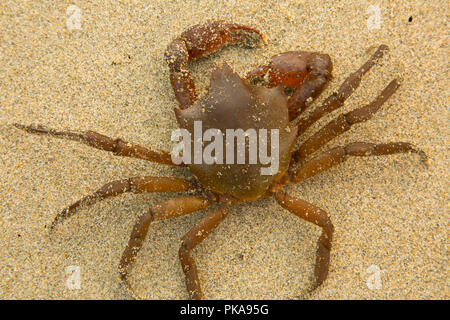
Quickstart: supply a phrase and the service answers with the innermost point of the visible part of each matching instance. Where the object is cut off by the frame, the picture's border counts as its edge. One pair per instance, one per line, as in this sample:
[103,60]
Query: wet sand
[391,213]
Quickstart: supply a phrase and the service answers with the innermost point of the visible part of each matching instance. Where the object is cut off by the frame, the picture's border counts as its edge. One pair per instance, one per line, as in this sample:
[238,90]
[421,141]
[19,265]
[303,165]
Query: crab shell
[233,103]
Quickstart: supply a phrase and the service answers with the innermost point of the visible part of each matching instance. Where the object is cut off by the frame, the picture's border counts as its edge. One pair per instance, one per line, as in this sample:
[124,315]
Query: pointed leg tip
[379,53]
[254,39]
[128,287]
[19,126]
[58,219]
[50,231]
[312,289]
[424,158]
[383,47]
[31,128]
[52,227]
[264,38]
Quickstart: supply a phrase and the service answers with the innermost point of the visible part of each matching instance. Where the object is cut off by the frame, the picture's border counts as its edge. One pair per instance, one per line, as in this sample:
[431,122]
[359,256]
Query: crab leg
[174,207]
[338,155]
[135,185]
[343,123]
[190,240]
[315,215]
[337,99]
[196,42]
[99,141]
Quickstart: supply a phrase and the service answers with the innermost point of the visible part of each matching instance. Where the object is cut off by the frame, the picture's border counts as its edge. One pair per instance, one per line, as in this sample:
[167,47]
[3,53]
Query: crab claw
[198,41]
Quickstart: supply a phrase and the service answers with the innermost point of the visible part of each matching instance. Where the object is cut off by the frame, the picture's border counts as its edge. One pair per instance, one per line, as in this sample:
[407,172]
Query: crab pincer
[199,41]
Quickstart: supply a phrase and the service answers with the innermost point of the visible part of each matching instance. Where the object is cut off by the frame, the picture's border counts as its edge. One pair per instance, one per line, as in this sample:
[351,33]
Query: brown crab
[236,103]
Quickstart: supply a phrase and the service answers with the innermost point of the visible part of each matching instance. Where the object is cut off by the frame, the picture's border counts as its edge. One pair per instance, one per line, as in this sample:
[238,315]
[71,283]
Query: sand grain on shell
[110,76]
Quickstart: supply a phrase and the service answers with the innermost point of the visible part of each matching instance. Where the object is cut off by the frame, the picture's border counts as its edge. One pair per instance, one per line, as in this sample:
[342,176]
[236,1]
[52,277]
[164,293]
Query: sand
[391,214]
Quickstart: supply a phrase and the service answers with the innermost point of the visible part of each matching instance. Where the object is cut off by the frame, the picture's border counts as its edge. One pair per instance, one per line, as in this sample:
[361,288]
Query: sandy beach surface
[100,66]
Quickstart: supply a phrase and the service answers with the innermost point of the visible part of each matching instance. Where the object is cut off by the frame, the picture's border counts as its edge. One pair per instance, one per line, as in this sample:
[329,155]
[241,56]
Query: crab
[270,97]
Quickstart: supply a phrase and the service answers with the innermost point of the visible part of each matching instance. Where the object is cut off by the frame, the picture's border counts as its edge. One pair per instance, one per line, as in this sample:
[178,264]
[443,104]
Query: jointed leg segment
[320,218]
[102,142]
[190,240]
[343,123]
[134,185]
[337,155]
[337,99]
[167,209]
